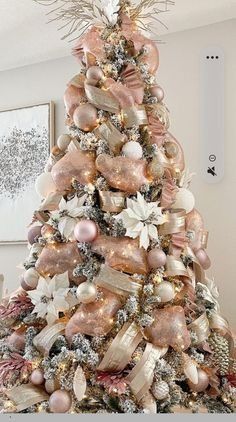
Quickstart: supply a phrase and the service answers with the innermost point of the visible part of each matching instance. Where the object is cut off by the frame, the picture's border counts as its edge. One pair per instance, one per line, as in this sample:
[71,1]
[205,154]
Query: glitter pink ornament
[85,231]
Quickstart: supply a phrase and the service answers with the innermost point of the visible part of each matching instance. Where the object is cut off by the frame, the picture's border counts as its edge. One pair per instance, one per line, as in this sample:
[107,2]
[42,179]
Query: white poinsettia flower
[50,297]
[67,214]
[140,219]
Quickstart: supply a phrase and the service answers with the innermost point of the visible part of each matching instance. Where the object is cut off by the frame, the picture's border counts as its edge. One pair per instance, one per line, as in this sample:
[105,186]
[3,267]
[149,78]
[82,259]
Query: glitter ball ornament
[44,185]
[85,231]
[37,377]
[33,233]
[60,402]
[203,258]
[30,279]
[165,291]
[160,390]
[203,382]
[156,258]
[185,200]
[95,73]
[86,292]
[63,142]
[52,385]
[155,169]
[132,150]
[171,149]
[157,91]
[85,117]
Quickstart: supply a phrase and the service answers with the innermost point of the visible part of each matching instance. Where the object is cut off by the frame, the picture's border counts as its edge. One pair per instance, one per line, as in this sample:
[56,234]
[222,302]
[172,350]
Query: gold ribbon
[47,337]
[117,282]
[175,222]
[79,384]
[168,163]
[218,323]
[26,395]
[112,135]
[175,267]
[200,327]
[51,202]
[77,81]
[141,376]
[197,268]
[102,99]
[121,349]
[112,201]
[135,116]
[204,239]
[73,145]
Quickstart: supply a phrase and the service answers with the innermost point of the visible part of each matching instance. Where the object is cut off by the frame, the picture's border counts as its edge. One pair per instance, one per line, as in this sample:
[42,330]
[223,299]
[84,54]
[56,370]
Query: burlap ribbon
[47,337]
[141,377]
[26,395]
[121,349]
[117,282]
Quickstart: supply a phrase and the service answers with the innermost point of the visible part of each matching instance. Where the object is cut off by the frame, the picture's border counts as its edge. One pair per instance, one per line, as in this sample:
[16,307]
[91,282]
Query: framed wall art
[26,137]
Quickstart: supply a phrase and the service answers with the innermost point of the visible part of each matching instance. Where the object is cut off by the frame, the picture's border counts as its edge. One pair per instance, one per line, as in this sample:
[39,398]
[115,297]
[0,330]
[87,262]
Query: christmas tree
[115,313]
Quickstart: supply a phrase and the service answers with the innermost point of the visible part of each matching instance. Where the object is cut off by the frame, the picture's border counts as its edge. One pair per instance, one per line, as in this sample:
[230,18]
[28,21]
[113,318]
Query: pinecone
[220,348]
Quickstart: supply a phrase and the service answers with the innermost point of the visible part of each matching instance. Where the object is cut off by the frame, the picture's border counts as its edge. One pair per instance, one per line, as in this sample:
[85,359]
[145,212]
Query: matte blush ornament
[86,292]
[122,173]
[37,377]
[203,258]
[122,254]
[132,150]
[85,231]
[60,402]
[95,73]
[157,91]
[63,142]
[17,339]
[44,185]
[85,117]
[185,200]
[202,384]
[94,319]
[156,258]
[79,165]
[169,329]
[30,279]
[33,233]
[59,258]
[165,291]
[72,98]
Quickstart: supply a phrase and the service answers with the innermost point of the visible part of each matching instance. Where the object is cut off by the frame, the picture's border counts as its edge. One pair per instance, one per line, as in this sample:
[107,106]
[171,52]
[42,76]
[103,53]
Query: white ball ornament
[86,292]
[44,185]
[63,142]
[185,200]
[30,279]
[160,390]
[132,150]
[165,291]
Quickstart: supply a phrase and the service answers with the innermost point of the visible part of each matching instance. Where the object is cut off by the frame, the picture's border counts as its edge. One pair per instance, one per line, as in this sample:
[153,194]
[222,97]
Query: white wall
[179,76]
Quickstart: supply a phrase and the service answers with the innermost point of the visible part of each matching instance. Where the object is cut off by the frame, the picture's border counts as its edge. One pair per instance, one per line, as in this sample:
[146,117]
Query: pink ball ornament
[203,258]
[157,91]
[85,231]
[202,384]
[60,402]
[156,258]
[94,73]
[33,233]
[85,117]
[37,377]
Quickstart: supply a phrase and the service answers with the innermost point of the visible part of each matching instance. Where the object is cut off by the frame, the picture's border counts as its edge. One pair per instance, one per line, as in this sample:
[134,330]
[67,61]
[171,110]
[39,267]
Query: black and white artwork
[25,139]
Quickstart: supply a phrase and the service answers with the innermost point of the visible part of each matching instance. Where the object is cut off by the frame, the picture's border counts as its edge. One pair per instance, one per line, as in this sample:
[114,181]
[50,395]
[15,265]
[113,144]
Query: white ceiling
[25,38]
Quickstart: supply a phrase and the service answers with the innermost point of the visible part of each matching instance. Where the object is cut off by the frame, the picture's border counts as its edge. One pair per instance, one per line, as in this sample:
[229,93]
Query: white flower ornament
[140,219]
[67,215]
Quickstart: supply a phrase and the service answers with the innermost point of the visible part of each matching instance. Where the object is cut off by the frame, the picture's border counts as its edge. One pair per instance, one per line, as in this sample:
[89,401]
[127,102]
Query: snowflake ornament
[67,215]
[140,219]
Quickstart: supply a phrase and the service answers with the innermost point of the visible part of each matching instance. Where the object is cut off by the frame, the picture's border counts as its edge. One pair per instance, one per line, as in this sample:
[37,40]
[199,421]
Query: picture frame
[27,135]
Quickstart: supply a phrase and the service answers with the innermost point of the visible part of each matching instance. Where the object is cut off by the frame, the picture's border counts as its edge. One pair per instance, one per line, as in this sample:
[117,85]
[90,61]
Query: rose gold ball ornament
[86,292]
[203,258]
[132,150]
[155,169]
[44,185]
[30,279]
[94,73]
[37,377]
[85,117]
[203,382]
[17,339]
[171,149]
[150,55]
[160,390]
[60,402]
[63,142]
[157,91]
[33,233]
[156,258]
[185,200]
[85,231]
[165,291]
